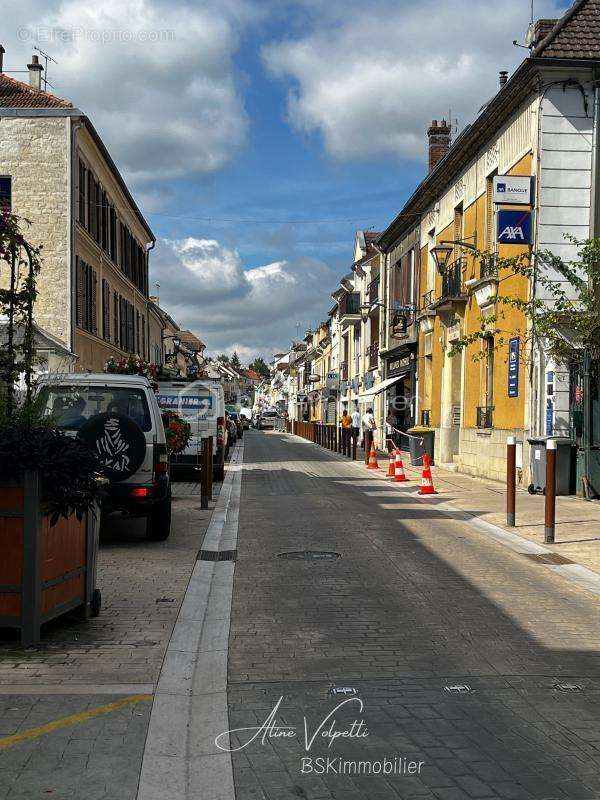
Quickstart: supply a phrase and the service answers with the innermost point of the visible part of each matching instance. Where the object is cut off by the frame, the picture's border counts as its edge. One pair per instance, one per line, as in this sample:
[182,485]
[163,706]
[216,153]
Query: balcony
[484,416]
[453,289]
[372,354]
[373,290]
[349,306]
[344,371]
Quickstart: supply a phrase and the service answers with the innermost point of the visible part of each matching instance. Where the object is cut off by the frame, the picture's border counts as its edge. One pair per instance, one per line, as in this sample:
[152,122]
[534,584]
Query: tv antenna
[47,57]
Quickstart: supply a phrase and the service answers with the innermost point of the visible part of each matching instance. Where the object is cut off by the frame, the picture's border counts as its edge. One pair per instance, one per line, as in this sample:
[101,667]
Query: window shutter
[131,328]
[123,323]
[489,214]
[116,332]
[105,310]
[82,181]
[93,326]
[137,332]
[89,198]
[79,291]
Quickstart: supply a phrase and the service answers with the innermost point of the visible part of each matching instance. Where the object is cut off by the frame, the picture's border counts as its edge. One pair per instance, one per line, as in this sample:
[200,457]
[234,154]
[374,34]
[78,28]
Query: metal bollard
[511,469]
[354,438]
[204,467]
[368,441]
[210,467]
[550,507]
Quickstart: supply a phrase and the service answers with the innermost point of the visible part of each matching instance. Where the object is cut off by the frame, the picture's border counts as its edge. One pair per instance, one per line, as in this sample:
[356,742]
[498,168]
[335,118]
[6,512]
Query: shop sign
[332,380]
[398,365]
[513,189]
[514,227]
[368,380]
[513,367]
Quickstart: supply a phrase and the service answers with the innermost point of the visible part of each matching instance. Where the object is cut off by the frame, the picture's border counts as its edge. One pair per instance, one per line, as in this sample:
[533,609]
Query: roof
[191,340]
[16,94]
[254,376]
[43,340]
[576,34]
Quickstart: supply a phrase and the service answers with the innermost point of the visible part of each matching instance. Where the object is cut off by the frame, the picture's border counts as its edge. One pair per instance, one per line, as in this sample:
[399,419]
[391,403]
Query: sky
[258,136]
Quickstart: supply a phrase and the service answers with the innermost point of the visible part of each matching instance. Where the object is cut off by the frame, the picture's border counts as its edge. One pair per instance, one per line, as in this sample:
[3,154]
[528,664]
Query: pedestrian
[368,424]
[390,429]
[355,417]
[346,419]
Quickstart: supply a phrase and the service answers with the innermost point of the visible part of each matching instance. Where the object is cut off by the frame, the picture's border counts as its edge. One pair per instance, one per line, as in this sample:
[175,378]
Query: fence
[333,437]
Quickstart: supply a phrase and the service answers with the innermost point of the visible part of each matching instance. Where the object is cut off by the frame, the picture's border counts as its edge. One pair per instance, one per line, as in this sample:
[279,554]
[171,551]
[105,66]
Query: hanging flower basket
[132,365]
[178,432]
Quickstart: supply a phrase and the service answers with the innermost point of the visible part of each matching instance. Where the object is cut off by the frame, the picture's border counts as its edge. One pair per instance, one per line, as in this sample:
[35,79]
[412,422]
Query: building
[520,177]
[56,172]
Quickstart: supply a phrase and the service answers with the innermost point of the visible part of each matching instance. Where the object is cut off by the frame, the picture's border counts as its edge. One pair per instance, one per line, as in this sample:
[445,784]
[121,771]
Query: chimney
[439,141]
[538,30]
[35,73]
[503,77]
[2,51]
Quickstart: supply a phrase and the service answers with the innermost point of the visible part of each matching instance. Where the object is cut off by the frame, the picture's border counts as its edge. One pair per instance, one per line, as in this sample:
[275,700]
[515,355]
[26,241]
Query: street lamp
[366,307]
[441,252]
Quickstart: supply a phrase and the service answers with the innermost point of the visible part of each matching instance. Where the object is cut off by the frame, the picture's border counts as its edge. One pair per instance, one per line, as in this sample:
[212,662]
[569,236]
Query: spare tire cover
[118,441]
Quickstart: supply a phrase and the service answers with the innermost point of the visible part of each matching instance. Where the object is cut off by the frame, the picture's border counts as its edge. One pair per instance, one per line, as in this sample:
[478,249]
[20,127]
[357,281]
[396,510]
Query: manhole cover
[547,558]
[310,555]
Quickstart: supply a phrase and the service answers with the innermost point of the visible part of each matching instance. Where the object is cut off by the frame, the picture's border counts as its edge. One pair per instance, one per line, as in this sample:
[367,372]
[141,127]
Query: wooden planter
[44,570]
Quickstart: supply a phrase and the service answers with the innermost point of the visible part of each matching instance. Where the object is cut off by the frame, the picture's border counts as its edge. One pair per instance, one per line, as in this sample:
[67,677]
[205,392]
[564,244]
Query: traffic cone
[399,474]
[372,459]
[390,472]
[426,479]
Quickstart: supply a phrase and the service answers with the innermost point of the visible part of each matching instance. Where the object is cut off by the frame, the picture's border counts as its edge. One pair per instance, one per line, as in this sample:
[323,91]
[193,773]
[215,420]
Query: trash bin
[565,464]
[420,441]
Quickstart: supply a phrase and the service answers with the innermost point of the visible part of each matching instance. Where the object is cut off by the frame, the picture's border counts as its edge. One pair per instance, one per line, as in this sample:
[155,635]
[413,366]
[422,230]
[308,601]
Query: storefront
[401,376]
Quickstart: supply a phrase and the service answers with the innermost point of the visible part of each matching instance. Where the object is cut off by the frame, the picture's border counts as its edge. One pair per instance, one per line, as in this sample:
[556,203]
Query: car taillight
[141,491]
[161,459]
[220,431]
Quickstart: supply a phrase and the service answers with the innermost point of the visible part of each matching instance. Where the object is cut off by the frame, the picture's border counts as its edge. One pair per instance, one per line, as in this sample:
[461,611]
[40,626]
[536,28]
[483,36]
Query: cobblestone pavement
[415,603]
[86,665]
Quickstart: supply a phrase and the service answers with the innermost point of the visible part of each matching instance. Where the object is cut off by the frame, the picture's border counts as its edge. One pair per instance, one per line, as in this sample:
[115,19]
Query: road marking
[72,719]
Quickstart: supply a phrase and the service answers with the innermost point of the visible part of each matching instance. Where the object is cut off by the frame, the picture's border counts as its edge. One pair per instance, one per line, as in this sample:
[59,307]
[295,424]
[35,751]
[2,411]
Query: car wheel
[158,522]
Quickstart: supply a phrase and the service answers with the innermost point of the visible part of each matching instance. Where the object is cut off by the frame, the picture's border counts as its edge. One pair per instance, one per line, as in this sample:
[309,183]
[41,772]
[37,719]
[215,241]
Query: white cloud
[370,78]
[156,78]
[204,287]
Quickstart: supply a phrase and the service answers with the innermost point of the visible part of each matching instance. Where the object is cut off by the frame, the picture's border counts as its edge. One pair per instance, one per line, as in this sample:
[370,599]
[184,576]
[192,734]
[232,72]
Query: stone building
[56,172]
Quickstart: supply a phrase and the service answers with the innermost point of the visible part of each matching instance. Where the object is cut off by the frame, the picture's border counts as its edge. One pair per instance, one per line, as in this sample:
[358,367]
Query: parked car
[201,403]
[118,416]
[267,419]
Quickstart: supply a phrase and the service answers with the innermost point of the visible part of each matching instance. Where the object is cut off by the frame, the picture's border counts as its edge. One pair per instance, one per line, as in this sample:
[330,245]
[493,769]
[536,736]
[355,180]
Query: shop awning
[381,387]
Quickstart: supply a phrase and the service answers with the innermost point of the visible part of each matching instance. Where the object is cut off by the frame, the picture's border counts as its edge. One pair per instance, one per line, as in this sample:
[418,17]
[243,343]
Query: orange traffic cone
[372,459]
[390,472]
[426,479]
[399,474]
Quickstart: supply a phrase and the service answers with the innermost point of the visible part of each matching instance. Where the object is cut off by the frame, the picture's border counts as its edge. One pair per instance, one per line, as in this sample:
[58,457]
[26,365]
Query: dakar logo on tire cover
[112,447]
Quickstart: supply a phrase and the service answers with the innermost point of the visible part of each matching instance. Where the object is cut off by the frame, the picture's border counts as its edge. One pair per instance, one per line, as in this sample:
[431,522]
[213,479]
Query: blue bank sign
[514,227]
[513,367]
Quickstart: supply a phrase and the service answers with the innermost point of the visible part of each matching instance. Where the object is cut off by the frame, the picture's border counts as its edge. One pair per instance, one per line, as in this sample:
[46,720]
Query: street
[467,669]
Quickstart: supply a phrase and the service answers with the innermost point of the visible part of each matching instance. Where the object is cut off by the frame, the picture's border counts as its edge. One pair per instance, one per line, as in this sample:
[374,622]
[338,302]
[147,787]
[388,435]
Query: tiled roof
[191,340]
[576,35]
[16,94]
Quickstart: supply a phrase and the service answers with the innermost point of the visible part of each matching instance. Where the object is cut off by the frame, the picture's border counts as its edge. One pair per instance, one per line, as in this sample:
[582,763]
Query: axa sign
[514,227]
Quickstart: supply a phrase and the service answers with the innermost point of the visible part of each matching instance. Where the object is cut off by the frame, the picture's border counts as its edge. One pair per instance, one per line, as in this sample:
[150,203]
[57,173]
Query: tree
[259,366]
[223,358]
[235,361]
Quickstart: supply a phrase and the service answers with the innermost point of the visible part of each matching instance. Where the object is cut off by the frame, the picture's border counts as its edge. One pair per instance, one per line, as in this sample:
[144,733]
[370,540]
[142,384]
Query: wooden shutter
[93,322]
[89,199]
[81,187]
[137,332]
[116,332]
[122,324]
[144,354]
[79,291]
[131,328]
[489,214]
[105,310]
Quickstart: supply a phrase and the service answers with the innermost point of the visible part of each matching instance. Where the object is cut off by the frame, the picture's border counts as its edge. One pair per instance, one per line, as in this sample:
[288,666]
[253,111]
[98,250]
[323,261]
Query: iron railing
[452,283]
[373,290]
[427,299]
[488,267]
[484,416]
[350,304]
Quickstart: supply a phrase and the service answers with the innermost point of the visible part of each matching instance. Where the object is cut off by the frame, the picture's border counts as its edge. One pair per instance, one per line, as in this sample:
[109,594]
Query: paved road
[415,603]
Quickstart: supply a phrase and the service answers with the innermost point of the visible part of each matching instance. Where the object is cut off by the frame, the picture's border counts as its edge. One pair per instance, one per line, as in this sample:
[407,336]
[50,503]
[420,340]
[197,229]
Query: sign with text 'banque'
[513,189]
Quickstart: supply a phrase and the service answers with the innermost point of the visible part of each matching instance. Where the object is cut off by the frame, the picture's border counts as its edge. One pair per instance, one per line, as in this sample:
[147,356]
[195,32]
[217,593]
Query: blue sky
[259,135]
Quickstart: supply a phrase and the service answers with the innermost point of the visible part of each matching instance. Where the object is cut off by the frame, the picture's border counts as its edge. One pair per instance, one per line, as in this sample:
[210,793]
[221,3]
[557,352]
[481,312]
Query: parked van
[119,418]
[201,403]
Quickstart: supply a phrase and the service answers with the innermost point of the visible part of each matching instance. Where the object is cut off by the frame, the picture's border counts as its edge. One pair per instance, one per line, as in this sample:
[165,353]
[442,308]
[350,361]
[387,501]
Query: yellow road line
[72,719]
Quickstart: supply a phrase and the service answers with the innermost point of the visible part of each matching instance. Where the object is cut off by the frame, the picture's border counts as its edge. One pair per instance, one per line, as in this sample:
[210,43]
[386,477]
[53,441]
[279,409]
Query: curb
[181,760]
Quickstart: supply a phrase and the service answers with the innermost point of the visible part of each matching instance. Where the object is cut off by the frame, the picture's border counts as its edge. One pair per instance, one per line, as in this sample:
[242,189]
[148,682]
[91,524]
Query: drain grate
[547,558]
[310,555]
[217,555]
[335,691]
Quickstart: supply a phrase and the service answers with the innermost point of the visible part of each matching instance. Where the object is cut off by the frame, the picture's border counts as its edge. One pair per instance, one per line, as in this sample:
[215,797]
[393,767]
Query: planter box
[45,570]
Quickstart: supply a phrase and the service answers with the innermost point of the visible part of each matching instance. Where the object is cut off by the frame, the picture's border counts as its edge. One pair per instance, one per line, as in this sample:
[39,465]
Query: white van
[119,418]
[201,403]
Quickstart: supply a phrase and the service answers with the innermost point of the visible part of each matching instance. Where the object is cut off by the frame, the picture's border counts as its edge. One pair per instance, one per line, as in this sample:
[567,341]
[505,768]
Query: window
[116,330]
[458,230]
[5,191]
[71,406]
[81,191]
[105,310]
[490,243]
[487,372]
[87,301]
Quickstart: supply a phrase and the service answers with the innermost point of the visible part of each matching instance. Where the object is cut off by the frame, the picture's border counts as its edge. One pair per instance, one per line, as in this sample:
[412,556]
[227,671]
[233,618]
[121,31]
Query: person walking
[368,424]
[355,422]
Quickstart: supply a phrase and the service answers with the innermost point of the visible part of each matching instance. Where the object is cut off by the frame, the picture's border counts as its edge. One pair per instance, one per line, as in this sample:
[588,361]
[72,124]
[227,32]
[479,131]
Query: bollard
[550,507]
[340,433]
[210,466]
[368,441]
[511,469]
[353,437]
[204,467]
